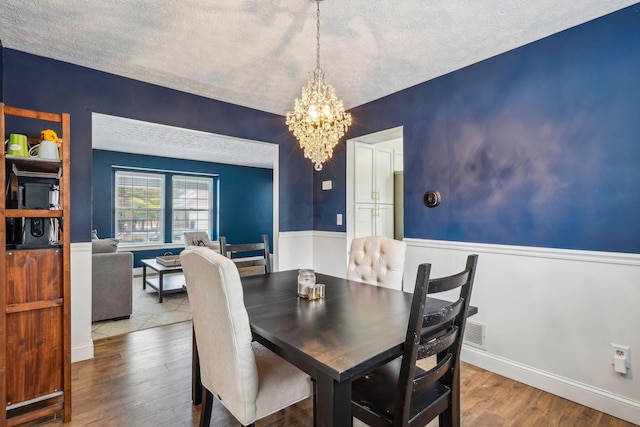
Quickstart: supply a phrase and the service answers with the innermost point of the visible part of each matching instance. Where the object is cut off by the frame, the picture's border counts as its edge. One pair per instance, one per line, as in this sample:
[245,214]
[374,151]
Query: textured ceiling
[133,136]
[259,53]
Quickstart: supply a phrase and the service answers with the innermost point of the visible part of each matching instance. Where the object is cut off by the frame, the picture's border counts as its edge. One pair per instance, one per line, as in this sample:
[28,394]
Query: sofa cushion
[104,246]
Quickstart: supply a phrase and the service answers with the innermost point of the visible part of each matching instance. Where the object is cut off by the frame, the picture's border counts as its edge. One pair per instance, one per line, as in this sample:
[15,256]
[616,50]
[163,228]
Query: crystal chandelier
[318,120]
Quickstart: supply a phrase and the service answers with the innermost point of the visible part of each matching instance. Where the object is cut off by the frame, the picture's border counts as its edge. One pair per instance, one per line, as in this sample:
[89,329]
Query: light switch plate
[326,185]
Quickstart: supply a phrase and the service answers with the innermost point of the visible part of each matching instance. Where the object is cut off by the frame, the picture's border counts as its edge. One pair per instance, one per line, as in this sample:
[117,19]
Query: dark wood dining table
[337,339]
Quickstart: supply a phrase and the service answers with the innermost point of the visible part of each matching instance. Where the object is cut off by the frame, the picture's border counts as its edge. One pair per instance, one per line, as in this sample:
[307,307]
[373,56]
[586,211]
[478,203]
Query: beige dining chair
[247,378]
[377,260]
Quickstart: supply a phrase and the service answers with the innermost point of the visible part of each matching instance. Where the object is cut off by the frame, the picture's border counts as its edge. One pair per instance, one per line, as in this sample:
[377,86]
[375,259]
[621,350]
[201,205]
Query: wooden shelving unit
[35,304]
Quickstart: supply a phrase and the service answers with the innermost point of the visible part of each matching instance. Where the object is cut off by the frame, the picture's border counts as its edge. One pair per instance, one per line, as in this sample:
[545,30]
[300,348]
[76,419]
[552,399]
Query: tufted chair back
[377,260]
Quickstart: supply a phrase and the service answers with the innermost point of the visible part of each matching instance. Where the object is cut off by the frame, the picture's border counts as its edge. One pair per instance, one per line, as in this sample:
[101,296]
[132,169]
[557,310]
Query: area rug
[147,312]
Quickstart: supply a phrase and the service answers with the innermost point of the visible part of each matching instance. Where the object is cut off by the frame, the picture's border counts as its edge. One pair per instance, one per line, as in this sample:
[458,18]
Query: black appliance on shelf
[30,232]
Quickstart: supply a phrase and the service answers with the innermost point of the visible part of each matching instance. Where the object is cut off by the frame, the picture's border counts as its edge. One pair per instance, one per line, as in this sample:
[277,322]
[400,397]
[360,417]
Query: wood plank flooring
[144,379]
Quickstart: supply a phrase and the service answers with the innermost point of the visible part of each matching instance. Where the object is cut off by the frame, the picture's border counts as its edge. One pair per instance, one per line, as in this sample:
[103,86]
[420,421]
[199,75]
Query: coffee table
[172,283]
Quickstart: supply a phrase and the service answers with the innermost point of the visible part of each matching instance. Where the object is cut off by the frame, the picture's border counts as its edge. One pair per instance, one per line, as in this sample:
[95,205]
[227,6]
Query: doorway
[389,139]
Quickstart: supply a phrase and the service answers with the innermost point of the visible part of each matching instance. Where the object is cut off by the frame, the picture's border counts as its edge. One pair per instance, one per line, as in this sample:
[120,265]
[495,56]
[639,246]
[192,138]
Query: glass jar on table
[306,279]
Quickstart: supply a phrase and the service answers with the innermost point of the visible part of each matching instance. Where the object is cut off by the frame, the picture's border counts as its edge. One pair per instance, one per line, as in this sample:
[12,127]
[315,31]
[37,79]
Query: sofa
[111,281]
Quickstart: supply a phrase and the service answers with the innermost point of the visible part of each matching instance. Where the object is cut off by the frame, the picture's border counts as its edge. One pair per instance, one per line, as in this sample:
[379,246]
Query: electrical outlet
[620,358]
[338,219]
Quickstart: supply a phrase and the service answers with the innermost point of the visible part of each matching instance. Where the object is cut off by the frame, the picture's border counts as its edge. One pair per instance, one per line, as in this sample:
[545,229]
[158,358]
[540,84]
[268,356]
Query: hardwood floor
[144,378]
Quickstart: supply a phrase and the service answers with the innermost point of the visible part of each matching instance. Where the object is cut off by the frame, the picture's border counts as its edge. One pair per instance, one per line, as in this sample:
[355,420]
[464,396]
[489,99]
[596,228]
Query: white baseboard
[83,352]
[584,394]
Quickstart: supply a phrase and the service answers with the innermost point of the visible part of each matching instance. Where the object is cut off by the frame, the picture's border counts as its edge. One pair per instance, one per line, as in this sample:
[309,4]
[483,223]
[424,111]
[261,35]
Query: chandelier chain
[318,35]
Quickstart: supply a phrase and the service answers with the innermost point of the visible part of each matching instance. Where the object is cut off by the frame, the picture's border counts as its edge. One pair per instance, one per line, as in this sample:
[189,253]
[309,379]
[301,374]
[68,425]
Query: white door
[373,178]
[383,220]
[364,178]
[383,175]
[364,224]
[373,220]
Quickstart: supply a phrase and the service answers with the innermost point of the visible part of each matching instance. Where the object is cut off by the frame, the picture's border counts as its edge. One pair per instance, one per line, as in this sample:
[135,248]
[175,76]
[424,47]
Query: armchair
[199,238]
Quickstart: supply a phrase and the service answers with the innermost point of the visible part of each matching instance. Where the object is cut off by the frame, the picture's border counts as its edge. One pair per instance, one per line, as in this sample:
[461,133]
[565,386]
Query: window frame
[161,215]
[210,182]
[167,214]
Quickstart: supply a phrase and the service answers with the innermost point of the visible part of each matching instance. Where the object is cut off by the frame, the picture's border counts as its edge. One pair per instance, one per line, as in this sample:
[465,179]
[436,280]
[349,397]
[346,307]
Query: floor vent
[475,334]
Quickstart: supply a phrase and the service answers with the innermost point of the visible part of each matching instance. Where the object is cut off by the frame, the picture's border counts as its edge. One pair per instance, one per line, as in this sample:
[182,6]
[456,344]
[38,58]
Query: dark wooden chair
[402,394]
[250,258]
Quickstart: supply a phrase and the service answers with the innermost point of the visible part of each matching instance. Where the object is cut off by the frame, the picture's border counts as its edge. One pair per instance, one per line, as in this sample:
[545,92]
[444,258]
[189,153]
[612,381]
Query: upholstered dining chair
[402,394]
[377,260]
[248,379]
[199,238]
[250,258]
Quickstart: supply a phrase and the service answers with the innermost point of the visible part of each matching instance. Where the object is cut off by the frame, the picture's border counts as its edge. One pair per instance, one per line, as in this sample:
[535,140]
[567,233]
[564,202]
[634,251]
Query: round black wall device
[432,198]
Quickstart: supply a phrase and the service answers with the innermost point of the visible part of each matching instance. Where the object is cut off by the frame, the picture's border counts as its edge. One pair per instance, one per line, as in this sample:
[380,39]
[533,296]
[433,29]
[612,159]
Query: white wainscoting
[324,251]
[81,341]
[330,253]
[295,250]
[551,316]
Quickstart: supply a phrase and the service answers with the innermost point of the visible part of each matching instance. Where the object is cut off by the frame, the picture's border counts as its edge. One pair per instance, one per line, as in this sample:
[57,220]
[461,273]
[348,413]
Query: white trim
[80,263]
[275,182]
[82,352]
[171,171]
[330,234]
[148,247]
[584,394]
[296,234]
[618,258]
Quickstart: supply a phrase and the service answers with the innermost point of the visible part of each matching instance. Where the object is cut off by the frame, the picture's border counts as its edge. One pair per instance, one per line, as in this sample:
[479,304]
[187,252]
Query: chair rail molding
[531,251]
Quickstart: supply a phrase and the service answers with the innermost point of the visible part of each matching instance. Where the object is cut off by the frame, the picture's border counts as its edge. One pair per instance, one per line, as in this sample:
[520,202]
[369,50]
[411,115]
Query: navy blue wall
[1,74]
[246,194]
[537,147]
[43,84]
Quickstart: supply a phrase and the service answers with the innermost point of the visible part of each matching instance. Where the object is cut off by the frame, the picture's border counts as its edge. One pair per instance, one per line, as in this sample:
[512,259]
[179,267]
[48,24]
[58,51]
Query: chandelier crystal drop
[318,120]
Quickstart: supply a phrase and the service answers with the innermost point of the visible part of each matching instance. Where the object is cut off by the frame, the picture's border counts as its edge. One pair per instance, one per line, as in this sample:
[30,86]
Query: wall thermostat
[432,198]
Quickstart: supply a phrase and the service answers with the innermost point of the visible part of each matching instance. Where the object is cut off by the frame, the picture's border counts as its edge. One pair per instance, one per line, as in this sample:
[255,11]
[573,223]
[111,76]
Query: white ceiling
[133,136]
[259,53]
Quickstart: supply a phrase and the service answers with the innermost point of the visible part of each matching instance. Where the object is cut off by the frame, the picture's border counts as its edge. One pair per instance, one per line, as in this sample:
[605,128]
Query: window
[192,206]
[139,207]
